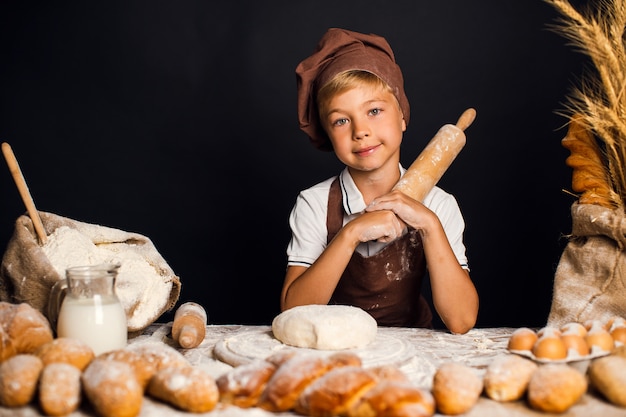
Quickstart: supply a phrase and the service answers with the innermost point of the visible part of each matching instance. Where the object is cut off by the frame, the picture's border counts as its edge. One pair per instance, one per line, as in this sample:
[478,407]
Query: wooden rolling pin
[435,158]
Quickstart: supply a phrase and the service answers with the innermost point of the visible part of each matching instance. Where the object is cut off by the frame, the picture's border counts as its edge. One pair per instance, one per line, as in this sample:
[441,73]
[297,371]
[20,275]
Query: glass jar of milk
[89,308]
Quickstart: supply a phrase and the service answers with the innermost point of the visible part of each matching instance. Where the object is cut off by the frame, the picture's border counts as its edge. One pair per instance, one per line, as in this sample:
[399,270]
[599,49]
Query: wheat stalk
[601,98]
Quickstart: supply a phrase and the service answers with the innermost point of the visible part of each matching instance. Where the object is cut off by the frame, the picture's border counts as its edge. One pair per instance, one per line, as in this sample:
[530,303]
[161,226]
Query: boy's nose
[361,130]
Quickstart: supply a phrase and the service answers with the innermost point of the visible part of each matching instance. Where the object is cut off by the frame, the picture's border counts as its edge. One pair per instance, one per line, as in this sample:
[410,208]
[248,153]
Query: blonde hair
[345,81]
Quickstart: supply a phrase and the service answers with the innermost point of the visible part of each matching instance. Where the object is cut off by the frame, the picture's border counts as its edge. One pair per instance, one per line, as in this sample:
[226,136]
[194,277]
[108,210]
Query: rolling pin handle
[466,119]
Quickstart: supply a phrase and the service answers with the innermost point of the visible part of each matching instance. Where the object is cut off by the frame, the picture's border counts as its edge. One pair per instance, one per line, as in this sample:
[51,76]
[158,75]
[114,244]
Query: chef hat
[341,50]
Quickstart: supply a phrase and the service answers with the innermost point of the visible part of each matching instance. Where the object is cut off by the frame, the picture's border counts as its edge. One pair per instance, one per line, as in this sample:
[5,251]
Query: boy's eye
[375,111]
[340,122]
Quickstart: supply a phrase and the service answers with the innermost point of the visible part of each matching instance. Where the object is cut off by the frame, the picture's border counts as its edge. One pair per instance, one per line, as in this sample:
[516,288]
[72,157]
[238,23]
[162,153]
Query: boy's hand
[409,211]
[383,226]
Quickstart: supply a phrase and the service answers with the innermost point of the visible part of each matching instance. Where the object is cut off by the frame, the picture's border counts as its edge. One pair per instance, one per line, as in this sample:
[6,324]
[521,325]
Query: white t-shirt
[308,220]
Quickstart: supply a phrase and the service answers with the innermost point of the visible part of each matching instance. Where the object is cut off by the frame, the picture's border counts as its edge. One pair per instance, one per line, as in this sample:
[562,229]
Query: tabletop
[417,352]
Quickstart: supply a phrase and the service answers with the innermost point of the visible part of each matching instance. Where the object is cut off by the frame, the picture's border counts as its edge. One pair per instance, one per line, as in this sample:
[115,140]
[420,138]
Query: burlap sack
[27,274]
[590,279]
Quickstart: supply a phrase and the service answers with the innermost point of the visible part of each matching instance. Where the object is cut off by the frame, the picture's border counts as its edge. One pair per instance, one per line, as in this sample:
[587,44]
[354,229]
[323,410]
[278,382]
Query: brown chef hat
[341,50]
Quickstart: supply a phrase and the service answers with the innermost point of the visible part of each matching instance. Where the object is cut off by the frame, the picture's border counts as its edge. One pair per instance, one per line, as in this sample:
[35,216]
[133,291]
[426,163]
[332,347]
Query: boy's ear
[403,125]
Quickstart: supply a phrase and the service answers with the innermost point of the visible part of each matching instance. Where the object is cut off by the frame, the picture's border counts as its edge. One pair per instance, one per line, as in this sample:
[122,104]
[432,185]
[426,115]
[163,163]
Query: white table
[420,353]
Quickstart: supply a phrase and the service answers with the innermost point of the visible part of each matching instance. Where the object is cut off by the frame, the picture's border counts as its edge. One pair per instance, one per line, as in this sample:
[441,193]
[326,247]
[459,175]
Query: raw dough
[330,327]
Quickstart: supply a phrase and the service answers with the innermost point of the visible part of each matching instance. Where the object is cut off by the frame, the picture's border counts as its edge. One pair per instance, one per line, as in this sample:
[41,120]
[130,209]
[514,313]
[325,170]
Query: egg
[574,327]
[550,330]
[615,322]
[619,334]
[522,339]
[575,342]
[600,338]
[549,346]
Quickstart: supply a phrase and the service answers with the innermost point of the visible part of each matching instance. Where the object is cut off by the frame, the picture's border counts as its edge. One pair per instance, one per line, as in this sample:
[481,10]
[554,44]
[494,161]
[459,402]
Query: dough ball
[328,327]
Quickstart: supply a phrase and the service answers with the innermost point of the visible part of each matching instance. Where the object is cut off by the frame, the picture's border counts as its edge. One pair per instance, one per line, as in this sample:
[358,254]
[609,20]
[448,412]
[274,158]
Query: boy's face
[365,125]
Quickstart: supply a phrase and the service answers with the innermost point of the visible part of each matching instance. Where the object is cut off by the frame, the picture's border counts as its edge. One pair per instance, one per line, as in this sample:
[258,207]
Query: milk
[99,321]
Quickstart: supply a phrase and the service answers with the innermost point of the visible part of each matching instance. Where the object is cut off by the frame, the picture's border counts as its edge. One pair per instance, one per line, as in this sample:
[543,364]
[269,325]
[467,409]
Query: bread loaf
[456,388]
[555,387]
[392,398]
[186,388]
[143,366]
[244,384]
[324,385]
[159,354]
[59,389]
[335,392]
[290,379]
[112,388]
[507,377]
[66,350]
[607,375]
[18,379]
[23,329]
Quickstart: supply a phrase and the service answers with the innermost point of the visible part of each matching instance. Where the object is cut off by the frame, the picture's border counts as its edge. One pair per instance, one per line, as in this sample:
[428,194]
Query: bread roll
[293,376]
[506,378]
[391,398]
[23,329]
[608,376]
[66,350]
[389,373]
[456,388]
[18,379]
[186,388]
[159,354]
[242,386]
[555,387]
[335,392]
[59,389]
[143,366]
[112,388]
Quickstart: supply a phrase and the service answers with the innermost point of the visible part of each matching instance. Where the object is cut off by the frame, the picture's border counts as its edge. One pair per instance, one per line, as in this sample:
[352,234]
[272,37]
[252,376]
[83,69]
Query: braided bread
[319,386]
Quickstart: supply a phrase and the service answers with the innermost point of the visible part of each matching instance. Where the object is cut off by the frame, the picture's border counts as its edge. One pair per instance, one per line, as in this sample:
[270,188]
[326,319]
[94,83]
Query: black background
[177,120]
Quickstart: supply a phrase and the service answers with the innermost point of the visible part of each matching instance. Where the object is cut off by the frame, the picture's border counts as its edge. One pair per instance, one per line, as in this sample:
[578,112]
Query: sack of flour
[590,279]
[146,285]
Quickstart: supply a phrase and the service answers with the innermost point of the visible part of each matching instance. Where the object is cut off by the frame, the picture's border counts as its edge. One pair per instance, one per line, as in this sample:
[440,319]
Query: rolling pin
[435,158]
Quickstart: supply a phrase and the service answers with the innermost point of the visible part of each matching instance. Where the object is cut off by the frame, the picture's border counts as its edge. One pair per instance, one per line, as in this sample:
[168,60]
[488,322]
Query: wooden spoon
[16,172]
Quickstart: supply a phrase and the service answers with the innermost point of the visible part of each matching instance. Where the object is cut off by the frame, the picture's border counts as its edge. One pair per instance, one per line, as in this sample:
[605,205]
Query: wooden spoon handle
[16,172]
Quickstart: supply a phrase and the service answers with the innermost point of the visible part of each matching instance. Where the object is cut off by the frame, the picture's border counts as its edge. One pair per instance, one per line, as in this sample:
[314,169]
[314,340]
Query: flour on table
[139,286]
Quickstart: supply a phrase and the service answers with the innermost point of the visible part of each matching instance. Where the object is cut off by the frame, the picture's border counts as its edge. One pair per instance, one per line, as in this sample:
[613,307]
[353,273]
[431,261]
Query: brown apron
[388,284]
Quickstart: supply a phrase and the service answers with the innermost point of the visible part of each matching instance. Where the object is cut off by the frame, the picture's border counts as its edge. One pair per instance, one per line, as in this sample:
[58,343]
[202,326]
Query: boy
[354,241]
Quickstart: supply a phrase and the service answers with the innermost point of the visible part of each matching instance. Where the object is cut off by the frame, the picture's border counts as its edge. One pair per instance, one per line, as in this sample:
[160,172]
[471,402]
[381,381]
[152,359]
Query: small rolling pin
[435,158]
[189,326]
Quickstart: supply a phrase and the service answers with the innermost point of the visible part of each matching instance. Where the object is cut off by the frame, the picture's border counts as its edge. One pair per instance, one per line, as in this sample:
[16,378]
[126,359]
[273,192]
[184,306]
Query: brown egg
[600,338]
[522,339]
[574,341]
[592,323]
[615,322]
[619,334]
[549,346]
[552,331]
[574,327]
